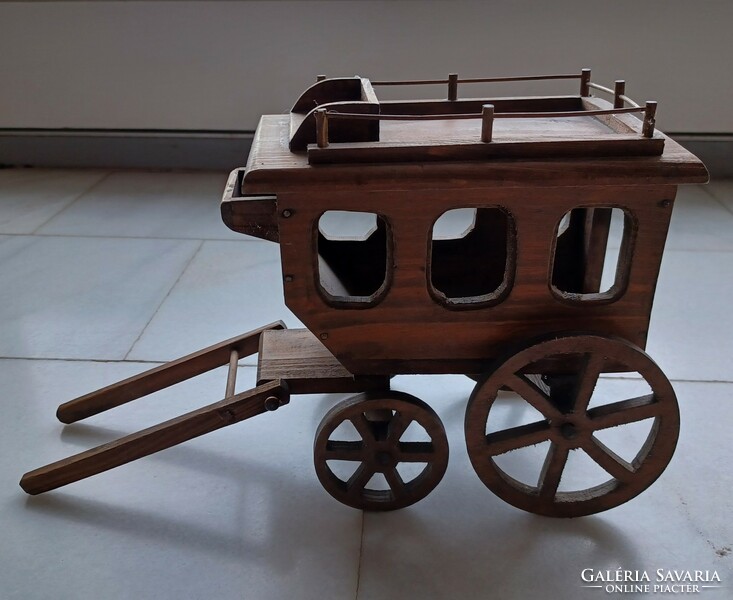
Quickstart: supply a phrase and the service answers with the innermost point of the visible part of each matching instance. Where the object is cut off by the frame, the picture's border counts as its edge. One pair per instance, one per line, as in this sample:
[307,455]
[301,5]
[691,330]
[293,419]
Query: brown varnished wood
[255,216]
[159,437]
[569,425]
[396,301]
[163,376]
[299,358]
[408,331]
[380,418]
[338,131]
[472,149]
[273,169]
[252,215]
[334,89]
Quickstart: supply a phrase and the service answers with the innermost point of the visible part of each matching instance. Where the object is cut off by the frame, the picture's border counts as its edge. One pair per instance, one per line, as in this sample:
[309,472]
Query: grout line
[170,290]
[718,200]
[74,201]
[361,552]
[91,360]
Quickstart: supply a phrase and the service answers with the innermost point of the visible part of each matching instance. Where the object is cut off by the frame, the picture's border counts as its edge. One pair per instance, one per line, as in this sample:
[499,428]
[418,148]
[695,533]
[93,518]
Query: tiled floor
[104,274]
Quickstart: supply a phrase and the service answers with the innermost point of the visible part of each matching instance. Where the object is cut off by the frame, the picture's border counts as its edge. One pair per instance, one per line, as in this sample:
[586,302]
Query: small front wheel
[381,420]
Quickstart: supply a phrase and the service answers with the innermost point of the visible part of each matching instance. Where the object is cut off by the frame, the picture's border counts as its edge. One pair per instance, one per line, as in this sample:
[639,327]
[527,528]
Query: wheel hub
[385,459]
[569,431]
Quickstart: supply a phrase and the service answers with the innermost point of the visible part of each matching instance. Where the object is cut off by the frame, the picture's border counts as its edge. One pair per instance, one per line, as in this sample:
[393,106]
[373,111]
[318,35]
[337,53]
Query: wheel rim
[570,425]
[381,420]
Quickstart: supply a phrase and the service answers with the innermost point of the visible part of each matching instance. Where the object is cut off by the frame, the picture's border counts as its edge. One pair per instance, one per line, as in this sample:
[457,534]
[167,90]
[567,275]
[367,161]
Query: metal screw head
[323,336]
[272,403]
[287,213]
[288,278]
[665,203]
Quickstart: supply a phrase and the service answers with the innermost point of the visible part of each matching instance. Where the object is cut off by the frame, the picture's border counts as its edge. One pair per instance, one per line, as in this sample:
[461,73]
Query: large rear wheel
[570,368]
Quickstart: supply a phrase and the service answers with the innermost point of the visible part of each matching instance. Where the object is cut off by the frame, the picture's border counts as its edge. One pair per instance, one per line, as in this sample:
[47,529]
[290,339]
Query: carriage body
[399,301]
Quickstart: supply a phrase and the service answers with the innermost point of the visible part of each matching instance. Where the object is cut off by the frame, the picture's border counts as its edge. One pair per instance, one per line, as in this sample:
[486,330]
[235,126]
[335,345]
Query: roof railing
[487,114]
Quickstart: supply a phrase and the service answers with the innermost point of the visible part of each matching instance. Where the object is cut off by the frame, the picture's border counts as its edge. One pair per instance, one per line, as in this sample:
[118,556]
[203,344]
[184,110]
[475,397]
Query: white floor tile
[691,329]
[464,542]
[237,513]
[722,190]
[82,297]
[133,204]
[30,197]
[699,222]
[228,289]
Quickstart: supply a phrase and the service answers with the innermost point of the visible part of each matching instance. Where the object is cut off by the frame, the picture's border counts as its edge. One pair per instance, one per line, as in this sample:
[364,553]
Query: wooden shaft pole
[487,122]
[159,437]
[161,377]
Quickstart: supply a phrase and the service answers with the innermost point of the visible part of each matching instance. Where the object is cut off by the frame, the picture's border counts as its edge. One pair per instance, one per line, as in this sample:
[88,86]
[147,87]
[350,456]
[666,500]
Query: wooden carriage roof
[272,167]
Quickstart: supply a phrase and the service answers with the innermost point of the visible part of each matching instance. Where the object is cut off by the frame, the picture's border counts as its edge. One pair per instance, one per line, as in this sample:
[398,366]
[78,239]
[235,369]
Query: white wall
[219,65]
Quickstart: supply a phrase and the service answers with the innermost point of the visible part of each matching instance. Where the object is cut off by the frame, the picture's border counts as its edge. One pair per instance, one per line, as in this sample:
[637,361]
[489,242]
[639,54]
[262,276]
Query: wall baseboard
[125,149]
[213,150]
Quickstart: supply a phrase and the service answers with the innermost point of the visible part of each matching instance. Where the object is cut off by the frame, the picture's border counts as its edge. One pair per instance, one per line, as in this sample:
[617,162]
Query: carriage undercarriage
[293,362]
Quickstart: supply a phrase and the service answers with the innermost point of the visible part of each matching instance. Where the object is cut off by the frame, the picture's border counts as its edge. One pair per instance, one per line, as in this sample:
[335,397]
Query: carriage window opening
[352,256]
[592,254]
[470,257]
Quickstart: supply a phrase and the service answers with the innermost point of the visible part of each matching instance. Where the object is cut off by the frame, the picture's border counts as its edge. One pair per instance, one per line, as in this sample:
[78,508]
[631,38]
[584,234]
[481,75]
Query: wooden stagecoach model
[519,301]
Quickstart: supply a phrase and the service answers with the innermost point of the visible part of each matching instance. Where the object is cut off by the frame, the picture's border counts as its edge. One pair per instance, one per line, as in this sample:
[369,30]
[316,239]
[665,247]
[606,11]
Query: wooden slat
[162,377]
[151,440]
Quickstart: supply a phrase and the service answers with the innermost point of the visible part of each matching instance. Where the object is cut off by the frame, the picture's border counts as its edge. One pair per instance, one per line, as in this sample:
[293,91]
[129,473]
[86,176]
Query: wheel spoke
[533,395]
[517,437]
[416,452]
[359,479]
[552,469]
[364,427]
[395,481]
[587,380]
[608,460]
[625,411]
[397,426]
[340,450]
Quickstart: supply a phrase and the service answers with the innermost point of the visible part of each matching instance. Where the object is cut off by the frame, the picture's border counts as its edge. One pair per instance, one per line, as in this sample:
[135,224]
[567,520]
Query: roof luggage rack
[341,120]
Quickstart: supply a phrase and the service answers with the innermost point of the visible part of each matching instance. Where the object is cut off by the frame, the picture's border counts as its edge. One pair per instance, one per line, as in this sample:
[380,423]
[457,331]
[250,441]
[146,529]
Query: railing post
[584,81]
[650,112]
[487,122]
[321,128]
[619,89]
[453,86]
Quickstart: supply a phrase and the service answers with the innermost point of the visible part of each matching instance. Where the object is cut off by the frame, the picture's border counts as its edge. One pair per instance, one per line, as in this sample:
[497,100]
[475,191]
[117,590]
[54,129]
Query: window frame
[353,302]
[510,266]
[624,262]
